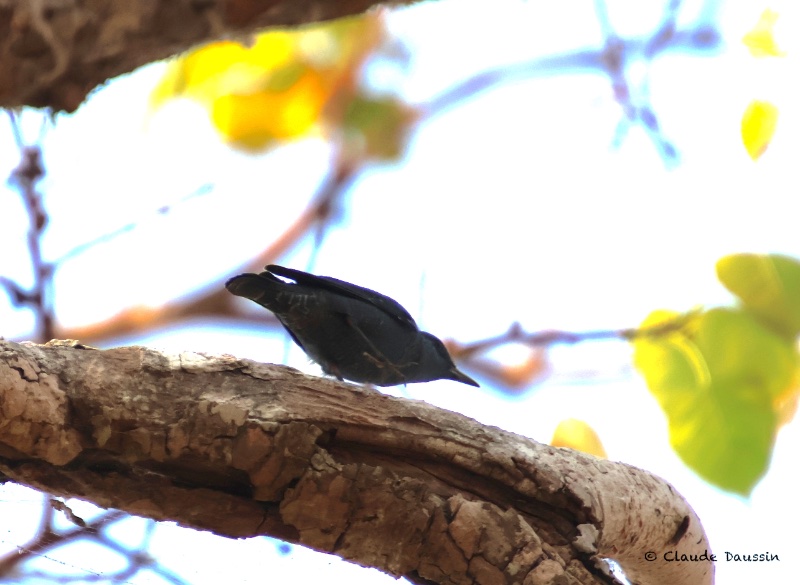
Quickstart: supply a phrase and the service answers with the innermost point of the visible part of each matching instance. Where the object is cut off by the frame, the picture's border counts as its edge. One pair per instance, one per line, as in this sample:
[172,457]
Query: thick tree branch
[245,449]
[54,52]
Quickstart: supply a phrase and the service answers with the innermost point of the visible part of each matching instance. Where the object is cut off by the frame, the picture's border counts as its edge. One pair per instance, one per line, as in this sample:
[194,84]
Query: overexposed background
[515,205]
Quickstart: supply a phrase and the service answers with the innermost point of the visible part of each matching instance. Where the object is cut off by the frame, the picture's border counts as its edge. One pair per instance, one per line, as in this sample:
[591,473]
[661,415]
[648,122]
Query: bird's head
[436,362]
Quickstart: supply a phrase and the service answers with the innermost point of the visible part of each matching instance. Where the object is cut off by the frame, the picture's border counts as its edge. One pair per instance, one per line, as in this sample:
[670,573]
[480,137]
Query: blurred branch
[107,237]
[612,60]
[522,375]
[48,538]
[18,296]
[516,334]
[215,301]
[25,176]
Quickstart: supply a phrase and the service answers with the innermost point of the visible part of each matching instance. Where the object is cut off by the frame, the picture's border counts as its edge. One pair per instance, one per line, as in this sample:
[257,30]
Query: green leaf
[768,285]
[717,382]
[379,126]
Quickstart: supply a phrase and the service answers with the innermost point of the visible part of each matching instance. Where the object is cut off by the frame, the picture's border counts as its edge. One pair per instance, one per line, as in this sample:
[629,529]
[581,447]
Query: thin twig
[516,334]
[611,60]
[48,538]
[107,237]
[215,301]
[26,175]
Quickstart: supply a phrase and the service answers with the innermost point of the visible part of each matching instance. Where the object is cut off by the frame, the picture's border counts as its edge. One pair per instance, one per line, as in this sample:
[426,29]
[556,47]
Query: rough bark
[54,52]
[245,449]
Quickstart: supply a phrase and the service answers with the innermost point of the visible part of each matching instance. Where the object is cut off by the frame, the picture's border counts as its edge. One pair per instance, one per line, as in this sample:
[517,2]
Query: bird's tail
[262,288]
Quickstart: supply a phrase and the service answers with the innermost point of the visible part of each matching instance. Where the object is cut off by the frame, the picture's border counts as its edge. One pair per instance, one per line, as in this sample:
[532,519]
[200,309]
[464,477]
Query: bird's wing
[376,299]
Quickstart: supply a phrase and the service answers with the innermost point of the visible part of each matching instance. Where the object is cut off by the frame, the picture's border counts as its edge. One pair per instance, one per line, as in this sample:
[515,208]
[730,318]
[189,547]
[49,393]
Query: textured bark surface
[246,449]
[54,52]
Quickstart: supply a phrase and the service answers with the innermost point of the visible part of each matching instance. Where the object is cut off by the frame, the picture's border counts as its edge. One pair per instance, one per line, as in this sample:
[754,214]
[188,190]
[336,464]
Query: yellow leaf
[768,285]
[276,88]
[760,40]
[758,126]
[786,404]
[576,434]
[198,73]
[253,121]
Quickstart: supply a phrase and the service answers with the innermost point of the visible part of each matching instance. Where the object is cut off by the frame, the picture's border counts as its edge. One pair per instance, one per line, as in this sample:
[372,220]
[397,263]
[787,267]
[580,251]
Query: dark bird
[351,331]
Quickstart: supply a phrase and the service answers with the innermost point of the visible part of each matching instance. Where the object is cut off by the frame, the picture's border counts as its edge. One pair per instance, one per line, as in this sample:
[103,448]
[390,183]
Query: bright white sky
[509,207]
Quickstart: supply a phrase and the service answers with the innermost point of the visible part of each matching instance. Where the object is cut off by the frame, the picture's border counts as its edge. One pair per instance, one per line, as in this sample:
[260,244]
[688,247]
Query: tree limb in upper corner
[245,449]
[54,52]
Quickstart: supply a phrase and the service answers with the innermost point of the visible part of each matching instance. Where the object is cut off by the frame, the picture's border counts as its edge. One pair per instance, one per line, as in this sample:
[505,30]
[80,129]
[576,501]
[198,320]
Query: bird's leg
[333,370]
[384,363]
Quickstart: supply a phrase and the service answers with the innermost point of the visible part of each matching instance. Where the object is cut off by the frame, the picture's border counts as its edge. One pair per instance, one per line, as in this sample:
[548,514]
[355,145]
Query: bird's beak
[458,376]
